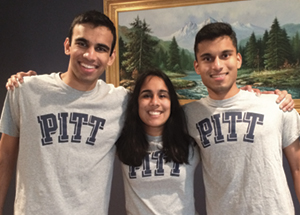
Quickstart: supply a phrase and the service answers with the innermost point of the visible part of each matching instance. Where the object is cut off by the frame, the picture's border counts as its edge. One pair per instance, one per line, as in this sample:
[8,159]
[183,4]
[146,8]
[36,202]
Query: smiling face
[89,52]
[154,105]
[217,63]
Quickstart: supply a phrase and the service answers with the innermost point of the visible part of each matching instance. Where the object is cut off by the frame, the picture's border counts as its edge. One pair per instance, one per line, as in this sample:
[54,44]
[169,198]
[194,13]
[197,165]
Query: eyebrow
[209,55]
[81,39]
[205,55]
[103,46]
[150,91]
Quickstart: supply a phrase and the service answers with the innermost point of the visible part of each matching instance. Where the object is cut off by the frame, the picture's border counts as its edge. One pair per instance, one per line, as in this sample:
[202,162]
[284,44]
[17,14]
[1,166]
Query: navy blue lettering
[159,157]
[219,137]
[232,118]
[252,119]
[63,135]
[78,119]
[48,125]
[146,166]
[205,129]
[175,170]
[96,123]
[132,171]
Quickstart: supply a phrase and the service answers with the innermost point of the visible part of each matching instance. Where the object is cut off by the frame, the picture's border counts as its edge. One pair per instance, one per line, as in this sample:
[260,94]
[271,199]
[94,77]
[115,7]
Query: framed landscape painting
[160,34]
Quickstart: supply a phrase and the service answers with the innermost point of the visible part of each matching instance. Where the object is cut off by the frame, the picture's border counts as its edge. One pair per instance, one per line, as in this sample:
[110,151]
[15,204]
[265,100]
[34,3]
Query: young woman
[159,157]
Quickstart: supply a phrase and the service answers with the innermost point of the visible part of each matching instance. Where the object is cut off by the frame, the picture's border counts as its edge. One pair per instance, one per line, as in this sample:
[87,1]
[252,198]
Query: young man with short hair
[241,136]
[60,129]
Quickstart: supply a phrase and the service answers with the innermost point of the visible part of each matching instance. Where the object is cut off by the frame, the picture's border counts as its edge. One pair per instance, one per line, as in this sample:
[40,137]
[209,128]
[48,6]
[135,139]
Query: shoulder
[35,83]
[194,104]
[268,97]
[117,92]
[40,78]
[111,87]
[268,100]
[253,98]
[194,108]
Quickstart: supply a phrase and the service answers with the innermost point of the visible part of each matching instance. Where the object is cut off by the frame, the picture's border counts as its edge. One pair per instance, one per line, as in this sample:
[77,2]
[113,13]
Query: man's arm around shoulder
[292,153]
[9,148]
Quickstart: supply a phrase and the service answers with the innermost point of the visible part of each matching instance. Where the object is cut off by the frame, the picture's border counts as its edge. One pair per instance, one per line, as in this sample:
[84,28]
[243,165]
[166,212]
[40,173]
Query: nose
[154,101]
[90,54]
[217,64]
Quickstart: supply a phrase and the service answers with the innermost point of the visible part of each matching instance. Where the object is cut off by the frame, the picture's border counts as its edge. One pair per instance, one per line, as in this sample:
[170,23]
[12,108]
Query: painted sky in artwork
[257,12]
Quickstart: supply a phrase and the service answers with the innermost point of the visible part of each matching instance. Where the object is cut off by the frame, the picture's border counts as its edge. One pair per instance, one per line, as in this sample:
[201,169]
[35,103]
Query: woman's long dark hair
[132,145]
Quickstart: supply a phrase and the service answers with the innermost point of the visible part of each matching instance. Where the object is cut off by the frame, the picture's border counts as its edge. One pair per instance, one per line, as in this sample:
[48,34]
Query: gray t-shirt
[67,150]
[157,188]
[241,141]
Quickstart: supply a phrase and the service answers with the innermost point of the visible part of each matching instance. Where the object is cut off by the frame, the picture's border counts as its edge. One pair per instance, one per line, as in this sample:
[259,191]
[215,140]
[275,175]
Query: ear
[112,58]
[67,46]
[196,67]
[239,60]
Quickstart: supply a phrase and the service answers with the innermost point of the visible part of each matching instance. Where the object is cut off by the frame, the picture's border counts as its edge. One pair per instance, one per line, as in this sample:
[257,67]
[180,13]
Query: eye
[164,95]
[145,95]
[208,59]
[225,55]
[80,43]
[101,49]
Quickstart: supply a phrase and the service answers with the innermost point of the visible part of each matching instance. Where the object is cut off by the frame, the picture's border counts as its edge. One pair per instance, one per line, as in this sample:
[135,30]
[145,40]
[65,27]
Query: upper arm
[292,153]
[9,147]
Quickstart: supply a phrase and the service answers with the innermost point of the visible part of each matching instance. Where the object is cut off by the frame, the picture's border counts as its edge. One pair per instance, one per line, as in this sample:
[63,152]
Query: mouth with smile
[154,113]
[88,67]
[219,76]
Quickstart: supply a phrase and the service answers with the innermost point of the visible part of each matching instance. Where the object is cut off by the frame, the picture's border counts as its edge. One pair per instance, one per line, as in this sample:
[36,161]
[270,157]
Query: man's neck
[223,95]
[76,83]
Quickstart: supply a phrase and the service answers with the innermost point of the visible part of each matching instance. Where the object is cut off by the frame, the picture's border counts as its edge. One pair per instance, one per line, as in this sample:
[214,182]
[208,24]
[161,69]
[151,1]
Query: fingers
[288,102]
[247,88]
[281,95]
[16,79]
[287,105]
[268,92]
[31,73]
[12,82]
[20,75]
[250,89]
[10,85]
[257,91]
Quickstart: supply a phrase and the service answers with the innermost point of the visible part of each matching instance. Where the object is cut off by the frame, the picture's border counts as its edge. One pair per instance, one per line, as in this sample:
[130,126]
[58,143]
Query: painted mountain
[186,35]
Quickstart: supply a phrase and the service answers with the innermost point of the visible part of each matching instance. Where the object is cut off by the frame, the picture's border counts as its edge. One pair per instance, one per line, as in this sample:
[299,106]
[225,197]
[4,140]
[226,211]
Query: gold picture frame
[112,8]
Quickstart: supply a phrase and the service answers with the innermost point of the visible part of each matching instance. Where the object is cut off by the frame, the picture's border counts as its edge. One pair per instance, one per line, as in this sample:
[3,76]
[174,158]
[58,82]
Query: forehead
[154,82]
[91,33]
[219,44]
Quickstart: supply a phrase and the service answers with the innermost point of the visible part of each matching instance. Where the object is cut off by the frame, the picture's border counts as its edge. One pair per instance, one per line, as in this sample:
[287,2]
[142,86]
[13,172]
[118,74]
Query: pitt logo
[207,126]
[158,158]
[50,124]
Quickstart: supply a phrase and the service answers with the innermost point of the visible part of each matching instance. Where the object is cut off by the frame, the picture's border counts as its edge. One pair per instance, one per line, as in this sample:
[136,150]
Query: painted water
[199,91]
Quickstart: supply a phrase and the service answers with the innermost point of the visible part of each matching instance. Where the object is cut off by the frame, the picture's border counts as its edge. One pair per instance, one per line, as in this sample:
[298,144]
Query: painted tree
[287,49]
[122,51]
[141,48]
[174,57]
[186,60]
[263,48]
[242,51]
[276,50]
[252,53]
[295,42]
[161,59]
